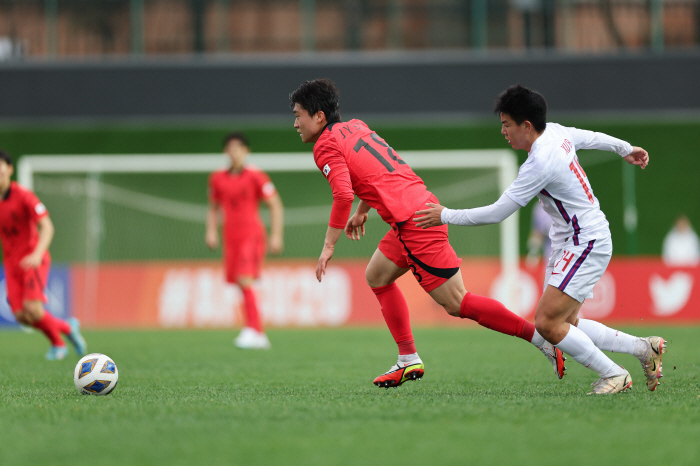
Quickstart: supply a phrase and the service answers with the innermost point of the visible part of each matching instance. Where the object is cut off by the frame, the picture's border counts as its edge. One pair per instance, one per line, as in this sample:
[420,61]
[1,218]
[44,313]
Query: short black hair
[5,157]
[319,95]
[236,136]
[521,104]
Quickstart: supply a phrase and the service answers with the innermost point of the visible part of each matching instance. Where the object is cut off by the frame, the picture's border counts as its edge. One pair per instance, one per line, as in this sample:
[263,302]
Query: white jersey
[553,174]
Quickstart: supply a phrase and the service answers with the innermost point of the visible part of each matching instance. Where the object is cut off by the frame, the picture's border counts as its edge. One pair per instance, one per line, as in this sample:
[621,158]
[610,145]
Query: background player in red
[237,192]
[26,232]
[356,161]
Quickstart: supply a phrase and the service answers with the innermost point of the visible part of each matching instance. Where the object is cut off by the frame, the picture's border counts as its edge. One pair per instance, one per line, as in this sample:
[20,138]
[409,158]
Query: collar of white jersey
[539,141]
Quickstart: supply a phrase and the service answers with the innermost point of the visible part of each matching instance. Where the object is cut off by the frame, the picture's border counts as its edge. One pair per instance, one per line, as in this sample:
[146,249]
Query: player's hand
[429,217]
[276,245]
[212,239]
[638,157]
[31,261]
[356,226]
[326,255]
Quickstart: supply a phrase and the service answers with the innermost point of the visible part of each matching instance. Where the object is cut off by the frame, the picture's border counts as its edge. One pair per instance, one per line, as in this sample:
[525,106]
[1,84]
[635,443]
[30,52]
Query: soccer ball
[95,374]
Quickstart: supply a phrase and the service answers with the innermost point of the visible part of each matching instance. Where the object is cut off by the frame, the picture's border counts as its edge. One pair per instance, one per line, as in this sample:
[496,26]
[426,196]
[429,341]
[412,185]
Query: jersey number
[10,231]
[390,152]
[576,168]
[566,257]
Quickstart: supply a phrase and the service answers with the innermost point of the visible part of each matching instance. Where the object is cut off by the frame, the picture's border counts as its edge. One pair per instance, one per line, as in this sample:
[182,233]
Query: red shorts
[427,253]
[244,257]
[26,285]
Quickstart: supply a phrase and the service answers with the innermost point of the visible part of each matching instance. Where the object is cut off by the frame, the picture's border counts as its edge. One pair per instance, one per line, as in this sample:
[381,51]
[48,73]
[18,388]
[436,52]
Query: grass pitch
[190,398]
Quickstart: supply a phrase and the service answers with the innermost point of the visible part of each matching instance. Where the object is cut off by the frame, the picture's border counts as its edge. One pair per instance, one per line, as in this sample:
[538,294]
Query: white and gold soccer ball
[95,374]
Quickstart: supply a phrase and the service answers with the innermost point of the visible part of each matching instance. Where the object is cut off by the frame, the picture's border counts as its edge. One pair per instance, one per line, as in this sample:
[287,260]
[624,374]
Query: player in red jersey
[237,191]
[25,250]
[356,161]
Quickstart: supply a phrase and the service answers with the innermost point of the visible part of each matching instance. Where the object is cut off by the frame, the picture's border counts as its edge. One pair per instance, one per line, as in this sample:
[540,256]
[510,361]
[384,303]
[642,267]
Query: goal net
[110,208]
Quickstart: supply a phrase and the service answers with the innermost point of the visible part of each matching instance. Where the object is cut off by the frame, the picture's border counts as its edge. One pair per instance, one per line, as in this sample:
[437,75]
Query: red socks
[52,328]
[250,306]
[485,311]
[395,312]
[493,315]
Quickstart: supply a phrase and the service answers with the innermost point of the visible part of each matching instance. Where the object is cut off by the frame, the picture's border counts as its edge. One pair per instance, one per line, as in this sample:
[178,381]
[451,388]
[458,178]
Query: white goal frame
[503,160]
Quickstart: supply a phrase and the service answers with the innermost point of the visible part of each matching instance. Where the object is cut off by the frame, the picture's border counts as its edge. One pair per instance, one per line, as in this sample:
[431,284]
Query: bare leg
[32,311]
[381,271]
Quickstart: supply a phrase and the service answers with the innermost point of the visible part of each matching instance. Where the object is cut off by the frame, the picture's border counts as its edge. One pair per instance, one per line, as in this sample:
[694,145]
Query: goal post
[94,167]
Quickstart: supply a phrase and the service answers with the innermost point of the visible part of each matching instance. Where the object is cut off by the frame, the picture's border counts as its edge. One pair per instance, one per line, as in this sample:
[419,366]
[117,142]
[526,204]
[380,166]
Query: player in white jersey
[580,234]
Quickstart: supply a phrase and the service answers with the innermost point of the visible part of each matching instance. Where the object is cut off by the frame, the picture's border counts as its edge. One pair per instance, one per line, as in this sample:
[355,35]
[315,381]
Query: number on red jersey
[361,143]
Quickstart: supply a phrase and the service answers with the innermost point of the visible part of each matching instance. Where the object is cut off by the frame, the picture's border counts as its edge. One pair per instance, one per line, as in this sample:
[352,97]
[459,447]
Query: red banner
[193,294]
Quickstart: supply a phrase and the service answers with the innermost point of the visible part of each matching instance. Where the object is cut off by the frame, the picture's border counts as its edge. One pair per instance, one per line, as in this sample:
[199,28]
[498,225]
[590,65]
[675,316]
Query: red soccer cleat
[556,357]
[400,373]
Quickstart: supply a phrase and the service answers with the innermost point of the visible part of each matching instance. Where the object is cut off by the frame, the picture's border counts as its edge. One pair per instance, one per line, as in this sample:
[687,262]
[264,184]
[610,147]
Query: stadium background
[114,77]
[173,76]
[672,141]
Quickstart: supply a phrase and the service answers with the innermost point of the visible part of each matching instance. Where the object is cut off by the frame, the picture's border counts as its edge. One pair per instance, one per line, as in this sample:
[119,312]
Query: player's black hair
[522,104]
[235,136]
[5,156]
[319,95]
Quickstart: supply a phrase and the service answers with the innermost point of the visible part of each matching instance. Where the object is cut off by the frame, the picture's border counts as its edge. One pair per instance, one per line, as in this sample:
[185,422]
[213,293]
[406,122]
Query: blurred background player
[26,232]
[681,246]
[539,246]
[356,161]
[581,240]
[236,192]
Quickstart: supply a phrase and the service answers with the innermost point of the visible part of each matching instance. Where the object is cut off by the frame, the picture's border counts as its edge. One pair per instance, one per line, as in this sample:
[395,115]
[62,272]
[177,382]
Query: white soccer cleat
[651,361]
[614,384]
[555,356]
[249,338]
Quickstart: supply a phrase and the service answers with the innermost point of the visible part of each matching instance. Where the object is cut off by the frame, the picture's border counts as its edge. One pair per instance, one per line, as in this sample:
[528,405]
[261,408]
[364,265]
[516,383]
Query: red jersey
[356,160]
[20,212]
[239,195]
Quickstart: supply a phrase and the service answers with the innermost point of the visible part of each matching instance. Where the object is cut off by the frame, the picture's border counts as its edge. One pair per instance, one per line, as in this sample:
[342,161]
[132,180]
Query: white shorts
[576,269]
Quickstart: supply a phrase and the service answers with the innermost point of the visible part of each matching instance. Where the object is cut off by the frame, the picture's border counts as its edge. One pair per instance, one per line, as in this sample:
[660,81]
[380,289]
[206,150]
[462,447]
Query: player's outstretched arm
[638,156]
[584,139]
[332,236]
[436,215]
[356,224]
[46,231]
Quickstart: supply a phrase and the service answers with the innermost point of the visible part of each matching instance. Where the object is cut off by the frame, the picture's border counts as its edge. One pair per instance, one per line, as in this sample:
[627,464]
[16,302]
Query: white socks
[537,340]
[585,342]
[606,339]
[609,339]
[408,357]
[581,348]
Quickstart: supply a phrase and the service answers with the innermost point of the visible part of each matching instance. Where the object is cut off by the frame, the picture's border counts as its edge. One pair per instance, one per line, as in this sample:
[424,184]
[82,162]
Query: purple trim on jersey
[559,205]
[577,229]
[576,266]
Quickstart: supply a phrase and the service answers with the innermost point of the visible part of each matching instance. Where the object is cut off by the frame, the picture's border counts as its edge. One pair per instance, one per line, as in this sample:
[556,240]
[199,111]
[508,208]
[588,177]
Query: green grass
[189,398]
